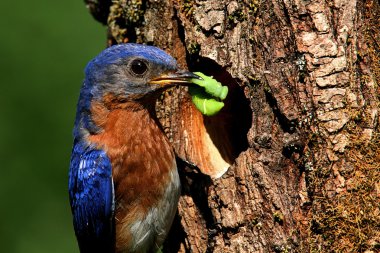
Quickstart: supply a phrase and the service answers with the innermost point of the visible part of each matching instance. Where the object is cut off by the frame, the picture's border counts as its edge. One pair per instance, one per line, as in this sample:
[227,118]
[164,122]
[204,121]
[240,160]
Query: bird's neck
[129,130]
[122,121]
[92,112]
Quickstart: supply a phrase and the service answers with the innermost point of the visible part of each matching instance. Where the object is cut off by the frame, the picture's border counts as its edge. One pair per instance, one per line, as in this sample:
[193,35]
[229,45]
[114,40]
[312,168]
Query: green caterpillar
[207,95]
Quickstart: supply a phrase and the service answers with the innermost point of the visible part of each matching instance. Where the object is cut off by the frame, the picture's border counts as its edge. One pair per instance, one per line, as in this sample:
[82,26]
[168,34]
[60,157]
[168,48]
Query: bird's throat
[135,145]
[130,128]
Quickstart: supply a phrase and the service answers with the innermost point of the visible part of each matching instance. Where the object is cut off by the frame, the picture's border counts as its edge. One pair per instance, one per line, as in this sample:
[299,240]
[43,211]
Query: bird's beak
[181,77]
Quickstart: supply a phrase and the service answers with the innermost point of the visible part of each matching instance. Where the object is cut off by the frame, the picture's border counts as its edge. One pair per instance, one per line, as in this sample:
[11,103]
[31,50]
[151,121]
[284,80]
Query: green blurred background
[44,48]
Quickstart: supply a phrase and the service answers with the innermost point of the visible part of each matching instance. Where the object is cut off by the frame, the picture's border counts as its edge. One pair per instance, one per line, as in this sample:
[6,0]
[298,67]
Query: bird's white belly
[151,231]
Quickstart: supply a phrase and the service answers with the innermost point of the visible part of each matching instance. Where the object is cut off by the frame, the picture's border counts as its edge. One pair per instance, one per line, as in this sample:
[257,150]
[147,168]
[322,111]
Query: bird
[124,185]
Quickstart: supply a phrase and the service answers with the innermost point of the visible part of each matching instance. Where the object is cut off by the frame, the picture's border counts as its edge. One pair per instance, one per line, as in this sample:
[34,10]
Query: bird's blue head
[126,73]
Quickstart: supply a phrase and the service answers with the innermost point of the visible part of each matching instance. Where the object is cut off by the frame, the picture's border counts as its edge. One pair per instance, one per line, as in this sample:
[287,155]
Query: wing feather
[92,198]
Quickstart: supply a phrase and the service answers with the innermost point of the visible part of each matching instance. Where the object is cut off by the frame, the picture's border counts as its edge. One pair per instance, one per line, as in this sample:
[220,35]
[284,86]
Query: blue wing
[92,198]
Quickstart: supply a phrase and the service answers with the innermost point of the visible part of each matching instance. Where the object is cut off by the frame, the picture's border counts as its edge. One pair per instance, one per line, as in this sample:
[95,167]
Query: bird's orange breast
[142,160]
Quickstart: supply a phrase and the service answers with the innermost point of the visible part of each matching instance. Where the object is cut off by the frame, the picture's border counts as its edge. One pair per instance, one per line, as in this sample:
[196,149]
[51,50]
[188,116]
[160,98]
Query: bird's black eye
[138,67]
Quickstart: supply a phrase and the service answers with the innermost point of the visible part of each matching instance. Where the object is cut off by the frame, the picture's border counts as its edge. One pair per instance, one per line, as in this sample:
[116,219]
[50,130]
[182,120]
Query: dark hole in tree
[228,129]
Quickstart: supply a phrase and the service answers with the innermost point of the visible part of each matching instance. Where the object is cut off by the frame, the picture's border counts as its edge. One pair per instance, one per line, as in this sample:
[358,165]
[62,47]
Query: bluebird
[123,181]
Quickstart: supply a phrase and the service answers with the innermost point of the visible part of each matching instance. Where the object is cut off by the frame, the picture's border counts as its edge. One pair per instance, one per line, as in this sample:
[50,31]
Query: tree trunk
[299,131]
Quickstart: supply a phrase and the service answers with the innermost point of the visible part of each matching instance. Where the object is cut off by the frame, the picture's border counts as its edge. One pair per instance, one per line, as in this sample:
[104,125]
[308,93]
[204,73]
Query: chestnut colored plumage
[123,180]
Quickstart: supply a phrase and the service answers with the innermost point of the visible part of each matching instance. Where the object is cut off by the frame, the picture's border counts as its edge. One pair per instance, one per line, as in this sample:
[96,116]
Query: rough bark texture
[299,131]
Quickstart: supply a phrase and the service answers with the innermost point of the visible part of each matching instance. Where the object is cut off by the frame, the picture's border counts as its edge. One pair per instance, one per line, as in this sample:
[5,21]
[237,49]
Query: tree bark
[299,132]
